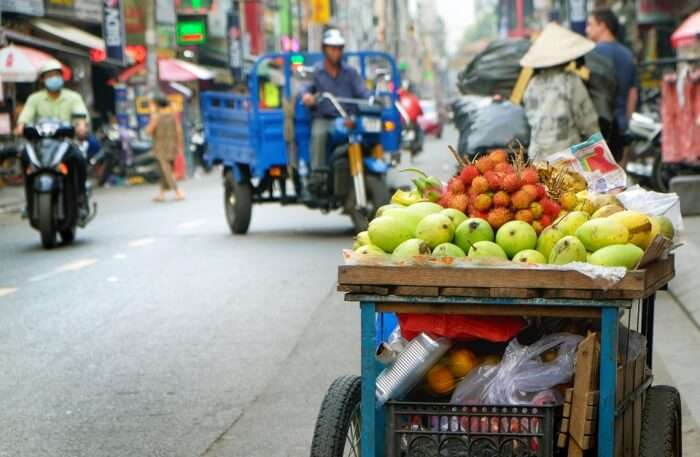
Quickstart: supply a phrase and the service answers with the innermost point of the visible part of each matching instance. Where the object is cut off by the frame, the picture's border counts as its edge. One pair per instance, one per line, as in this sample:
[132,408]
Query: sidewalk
[11,199]
[686,285]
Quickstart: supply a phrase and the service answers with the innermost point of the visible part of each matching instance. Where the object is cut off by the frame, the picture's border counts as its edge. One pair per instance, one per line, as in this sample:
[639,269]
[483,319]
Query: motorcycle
[645,163]
[53,190]
[123,156]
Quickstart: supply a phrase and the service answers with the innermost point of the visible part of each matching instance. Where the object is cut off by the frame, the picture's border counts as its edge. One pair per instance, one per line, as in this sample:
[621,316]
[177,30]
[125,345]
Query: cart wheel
[661,423]
[238,204]
[337,432]
[377,195]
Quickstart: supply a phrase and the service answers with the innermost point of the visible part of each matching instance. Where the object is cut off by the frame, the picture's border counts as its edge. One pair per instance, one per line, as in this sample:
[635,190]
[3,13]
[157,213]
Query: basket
[445,430]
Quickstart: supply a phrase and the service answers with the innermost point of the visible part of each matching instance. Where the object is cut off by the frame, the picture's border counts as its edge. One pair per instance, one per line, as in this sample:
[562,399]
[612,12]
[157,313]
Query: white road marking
[71,266]
[191,224]
[7,291]
[112,279]
[119,256]
[140,242]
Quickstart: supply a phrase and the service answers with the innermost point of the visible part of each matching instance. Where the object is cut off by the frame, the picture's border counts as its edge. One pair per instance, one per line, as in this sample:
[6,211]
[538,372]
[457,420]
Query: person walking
[558,107]
[168,143]
[603,28]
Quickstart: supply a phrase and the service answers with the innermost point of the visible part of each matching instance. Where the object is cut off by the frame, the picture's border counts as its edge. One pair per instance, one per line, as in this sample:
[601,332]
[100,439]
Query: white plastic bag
[522,374]
[653,203]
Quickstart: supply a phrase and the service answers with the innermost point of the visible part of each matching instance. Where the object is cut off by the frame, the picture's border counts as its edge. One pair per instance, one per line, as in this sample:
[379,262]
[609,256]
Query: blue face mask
[54,83]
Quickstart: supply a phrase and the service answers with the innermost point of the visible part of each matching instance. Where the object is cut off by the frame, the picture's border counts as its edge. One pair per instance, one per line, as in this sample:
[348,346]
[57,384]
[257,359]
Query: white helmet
[50,65]
[333,37]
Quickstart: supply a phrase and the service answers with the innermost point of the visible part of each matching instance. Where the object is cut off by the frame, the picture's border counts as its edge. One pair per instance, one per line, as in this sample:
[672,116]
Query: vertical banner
[113,30]
[578,16]
[235,50]
[320,11]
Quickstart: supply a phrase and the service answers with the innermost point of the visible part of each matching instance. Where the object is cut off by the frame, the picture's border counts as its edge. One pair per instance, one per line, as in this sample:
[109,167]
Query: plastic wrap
[522,374]
[604,277]
[410,367]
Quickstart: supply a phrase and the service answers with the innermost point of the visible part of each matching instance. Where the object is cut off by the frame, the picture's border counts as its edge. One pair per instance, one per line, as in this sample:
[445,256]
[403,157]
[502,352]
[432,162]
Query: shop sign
[28,7]
[113,29]
[83,10]
[654,11]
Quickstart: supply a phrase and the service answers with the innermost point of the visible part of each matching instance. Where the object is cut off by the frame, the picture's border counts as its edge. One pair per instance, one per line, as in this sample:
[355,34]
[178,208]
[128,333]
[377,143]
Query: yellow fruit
[586,206]
[605,200]
[598,233]
[490,360]
[570,222]
[638,225]
[607,210]
[461,362]
[568,201]
[440,380]
[655,230]
[617,255]
[666,225]
[550,355]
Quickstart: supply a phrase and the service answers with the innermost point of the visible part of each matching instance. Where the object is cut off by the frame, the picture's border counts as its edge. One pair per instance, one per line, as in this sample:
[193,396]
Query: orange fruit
[490,360]
[440,380]
[461,362]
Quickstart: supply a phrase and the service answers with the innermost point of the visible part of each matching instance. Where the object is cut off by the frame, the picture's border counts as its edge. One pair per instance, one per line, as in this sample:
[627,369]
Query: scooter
[198,147]
[53,200]
[645,163]
[123,156]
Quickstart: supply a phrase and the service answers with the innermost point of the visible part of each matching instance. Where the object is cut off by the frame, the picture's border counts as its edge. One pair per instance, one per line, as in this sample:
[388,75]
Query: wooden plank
[373,290]
[509,292]
[627,416]
[517,278]
[619,422]
[568,395]
[567,410]
[487,310]
[418,291]
[585,380]
[562,440]
[640,375]
[592,398]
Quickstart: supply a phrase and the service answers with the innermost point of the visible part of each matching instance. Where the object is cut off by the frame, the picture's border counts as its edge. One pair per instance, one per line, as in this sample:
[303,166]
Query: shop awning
[688,33]
[69,33]
[170,70]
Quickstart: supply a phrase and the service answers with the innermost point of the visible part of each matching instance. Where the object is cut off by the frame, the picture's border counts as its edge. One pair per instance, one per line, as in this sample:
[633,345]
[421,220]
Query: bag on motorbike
[495,69]
[497,125]
[464,109]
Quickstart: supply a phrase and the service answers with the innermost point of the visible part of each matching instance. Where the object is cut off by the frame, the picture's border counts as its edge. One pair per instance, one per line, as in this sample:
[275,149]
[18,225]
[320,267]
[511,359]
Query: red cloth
[497,329]
[680,140]
[411,104]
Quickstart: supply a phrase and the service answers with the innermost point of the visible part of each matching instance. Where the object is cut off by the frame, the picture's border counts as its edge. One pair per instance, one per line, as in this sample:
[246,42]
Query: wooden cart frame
[501,292]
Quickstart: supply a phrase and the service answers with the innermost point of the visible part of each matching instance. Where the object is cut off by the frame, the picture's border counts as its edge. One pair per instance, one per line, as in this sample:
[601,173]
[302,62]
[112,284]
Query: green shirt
[65,108]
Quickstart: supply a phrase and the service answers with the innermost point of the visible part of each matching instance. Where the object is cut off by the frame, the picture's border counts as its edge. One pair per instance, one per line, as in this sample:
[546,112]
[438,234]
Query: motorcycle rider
[64,105]
[336,77]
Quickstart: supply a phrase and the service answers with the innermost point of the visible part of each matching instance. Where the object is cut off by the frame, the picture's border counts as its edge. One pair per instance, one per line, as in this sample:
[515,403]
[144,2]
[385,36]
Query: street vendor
[557,104]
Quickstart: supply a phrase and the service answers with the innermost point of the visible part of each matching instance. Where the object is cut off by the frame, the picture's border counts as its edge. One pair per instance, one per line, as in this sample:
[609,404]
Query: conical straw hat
[556,46]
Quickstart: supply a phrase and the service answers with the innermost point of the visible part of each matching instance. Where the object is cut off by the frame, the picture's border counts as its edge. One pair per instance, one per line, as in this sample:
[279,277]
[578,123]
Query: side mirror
[30,133]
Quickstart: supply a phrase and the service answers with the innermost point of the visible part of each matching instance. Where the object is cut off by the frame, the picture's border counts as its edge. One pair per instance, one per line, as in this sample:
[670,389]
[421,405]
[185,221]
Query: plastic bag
[460,327]
[498,125]
[594,161]
[522,374]
[410,367]
[495,69]
[630,344]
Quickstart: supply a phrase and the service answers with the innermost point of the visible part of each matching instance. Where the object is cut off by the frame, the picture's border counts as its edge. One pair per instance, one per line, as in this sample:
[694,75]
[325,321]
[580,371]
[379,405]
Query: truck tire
[661,434]
[338,426]
[45,220]
[377,195]
[238,204]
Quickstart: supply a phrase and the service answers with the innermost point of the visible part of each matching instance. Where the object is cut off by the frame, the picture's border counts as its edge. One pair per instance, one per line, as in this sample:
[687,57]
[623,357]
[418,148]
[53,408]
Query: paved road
[160,334]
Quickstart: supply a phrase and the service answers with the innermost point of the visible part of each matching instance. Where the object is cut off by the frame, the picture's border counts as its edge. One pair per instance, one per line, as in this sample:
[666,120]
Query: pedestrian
[603,28]
[558,107]
[168,143]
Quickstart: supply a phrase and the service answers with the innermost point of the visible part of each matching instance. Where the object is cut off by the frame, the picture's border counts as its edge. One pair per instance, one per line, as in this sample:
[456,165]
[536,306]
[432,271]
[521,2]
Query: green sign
[191,31]
[193,6]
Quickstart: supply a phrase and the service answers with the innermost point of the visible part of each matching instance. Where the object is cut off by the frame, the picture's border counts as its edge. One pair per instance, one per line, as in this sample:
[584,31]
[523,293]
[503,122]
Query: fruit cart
[610,420]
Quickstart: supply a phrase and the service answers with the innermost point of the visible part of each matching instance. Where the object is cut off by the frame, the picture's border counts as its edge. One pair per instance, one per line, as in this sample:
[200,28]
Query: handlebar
[336,102]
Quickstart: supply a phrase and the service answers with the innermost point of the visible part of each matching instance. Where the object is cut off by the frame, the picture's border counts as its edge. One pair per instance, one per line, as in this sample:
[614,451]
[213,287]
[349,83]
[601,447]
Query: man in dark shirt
[603,28]
[341,80]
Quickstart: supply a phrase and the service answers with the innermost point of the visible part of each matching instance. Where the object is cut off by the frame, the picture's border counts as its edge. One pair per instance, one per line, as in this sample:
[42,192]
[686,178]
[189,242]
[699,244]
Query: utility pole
[151,57]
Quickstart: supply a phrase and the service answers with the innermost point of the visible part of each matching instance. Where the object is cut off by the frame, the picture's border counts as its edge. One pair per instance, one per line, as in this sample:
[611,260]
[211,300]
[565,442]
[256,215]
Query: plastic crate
[445,430]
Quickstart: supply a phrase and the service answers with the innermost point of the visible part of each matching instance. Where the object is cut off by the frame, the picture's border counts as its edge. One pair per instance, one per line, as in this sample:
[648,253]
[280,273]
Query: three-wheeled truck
[265,149]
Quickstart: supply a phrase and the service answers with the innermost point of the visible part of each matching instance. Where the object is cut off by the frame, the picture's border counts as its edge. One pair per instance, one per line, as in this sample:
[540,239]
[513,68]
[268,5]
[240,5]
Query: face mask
[54,83]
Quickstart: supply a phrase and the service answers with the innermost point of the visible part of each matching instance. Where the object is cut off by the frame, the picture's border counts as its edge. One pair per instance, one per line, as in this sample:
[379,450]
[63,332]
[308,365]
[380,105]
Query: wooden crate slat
[486,310]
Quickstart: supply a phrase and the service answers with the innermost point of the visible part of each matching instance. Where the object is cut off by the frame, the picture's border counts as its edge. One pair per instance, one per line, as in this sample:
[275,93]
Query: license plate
[372,125]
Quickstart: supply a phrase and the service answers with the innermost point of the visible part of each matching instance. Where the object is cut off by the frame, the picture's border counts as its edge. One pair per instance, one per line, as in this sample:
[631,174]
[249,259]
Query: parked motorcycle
[645,163]
[53,190]
[198,147]
[123,156]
